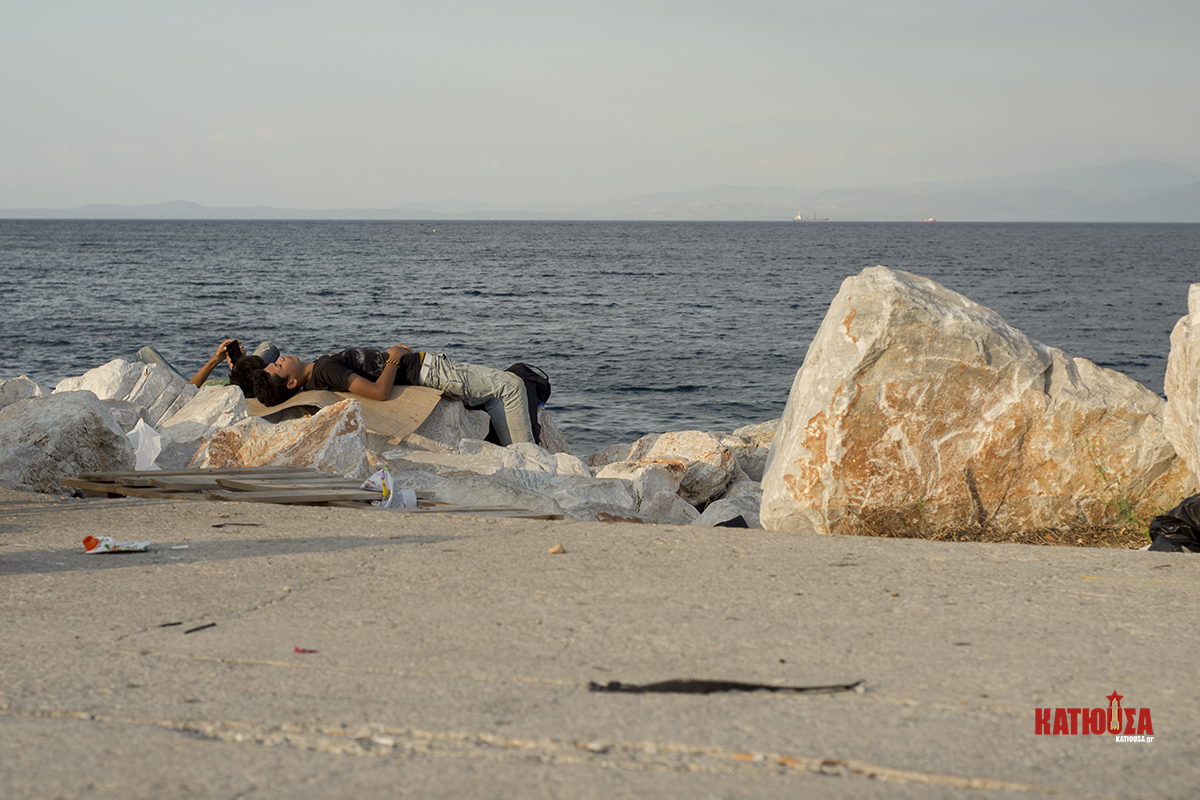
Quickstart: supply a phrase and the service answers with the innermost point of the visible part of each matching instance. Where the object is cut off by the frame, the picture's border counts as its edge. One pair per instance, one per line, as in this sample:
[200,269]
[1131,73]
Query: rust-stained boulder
[916,407]
[332,440]
[1181,423]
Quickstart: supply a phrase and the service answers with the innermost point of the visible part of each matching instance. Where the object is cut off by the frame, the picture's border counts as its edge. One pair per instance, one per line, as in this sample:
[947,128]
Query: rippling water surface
[643,327]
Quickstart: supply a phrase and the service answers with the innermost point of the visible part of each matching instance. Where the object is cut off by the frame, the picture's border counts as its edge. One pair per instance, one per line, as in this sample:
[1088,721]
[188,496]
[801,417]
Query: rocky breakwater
[917,409]
[684,477]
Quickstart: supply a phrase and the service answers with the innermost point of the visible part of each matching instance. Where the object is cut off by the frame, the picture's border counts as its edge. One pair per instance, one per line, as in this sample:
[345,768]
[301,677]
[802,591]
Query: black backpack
[537,390]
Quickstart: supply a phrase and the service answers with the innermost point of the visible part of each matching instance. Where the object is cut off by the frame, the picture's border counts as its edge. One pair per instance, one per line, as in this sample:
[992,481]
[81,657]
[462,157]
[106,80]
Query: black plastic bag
[1178,530]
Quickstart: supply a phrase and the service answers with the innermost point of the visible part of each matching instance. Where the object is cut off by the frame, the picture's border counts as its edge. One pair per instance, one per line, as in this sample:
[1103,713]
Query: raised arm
[202,375]
[380,388]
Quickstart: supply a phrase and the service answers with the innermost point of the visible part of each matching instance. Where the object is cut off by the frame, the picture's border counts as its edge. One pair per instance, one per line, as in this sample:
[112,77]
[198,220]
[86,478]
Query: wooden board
[282,485]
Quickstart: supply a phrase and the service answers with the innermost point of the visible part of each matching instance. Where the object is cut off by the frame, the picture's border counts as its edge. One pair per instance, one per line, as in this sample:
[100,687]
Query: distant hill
[1131,191]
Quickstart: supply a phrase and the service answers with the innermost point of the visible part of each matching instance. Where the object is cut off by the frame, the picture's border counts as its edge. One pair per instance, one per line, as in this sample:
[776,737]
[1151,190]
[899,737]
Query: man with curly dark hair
[372,373]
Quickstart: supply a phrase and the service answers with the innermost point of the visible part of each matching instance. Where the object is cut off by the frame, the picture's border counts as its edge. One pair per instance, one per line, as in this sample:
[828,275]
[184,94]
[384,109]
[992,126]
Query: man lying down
[372,374]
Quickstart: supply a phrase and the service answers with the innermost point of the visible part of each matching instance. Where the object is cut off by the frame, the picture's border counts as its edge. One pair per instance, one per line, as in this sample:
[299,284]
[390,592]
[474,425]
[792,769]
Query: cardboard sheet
[394,418]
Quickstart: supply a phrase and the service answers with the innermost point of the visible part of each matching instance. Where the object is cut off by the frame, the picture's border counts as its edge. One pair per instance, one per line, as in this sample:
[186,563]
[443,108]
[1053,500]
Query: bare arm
[380,388]
[202,375]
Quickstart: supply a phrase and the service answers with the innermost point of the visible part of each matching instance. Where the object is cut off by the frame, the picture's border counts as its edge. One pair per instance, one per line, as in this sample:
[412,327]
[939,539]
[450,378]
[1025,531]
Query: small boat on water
[813,218]
[931,219]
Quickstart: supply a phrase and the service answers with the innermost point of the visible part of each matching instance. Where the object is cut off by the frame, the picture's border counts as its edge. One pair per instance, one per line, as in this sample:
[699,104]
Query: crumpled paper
[392,498]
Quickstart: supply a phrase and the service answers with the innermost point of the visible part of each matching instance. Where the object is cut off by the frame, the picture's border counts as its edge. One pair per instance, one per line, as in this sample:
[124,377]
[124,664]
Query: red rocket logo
[1115,721]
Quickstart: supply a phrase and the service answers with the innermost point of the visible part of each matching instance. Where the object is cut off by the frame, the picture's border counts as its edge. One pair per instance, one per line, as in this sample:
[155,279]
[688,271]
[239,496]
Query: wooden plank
[226,471]
[243,485]
[114,489]
[291,496]
[258,485]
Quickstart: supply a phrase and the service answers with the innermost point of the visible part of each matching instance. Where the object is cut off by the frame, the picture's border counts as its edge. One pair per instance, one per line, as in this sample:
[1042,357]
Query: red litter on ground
[106,544]
[302,650]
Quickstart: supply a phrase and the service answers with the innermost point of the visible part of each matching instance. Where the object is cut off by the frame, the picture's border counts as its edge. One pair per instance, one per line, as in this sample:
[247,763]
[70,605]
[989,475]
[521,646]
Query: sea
[643,327]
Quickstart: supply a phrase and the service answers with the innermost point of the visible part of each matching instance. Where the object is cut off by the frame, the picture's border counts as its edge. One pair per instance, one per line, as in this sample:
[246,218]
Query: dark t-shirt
[335,370]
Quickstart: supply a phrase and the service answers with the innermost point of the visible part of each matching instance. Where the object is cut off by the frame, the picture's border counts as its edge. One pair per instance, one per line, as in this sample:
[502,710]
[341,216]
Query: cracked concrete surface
[452,657]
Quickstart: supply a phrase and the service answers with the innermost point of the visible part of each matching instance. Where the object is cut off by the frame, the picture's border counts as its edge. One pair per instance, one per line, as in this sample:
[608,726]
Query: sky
[358,104]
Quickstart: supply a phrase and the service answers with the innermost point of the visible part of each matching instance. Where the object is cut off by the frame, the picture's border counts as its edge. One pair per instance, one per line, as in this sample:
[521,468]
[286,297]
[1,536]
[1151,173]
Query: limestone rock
[710,466]
[536,457]
[742,486]
[332,440]
[759,435]
[744,505]
[602,458]
[1181,423]
[525,465]
[448,423]
[46,438]
[751,457]
[567,464]
[18,388]
[158,389]
[488,490]
[668,508]
[212,407]
[127,414]
[649,477]
[552,438]
[916,406]
[573,491]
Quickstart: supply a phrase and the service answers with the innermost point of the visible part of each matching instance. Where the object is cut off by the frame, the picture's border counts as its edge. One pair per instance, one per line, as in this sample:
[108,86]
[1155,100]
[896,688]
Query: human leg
[502,394]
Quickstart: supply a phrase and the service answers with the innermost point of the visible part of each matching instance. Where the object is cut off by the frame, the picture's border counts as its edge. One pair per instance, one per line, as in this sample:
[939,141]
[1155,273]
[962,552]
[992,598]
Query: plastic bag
[1178,530]
[146,447]
[382,481]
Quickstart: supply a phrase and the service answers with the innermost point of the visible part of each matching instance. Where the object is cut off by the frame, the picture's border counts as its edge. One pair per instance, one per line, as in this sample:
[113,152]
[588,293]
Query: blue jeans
[501,393]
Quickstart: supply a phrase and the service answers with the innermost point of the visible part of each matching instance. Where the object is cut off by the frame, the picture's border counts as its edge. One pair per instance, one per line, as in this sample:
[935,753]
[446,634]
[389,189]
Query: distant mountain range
[1132,191]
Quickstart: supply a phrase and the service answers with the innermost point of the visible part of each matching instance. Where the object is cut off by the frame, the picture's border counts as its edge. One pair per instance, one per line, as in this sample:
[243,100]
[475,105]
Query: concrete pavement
[453,656]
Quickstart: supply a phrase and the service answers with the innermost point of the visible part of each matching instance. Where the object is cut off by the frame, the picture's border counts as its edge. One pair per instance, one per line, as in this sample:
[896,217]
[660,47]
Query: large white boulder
[1181,422]
[918,407]
[18,388]
[150,385]
[709,466]
[332,440]
[47,438]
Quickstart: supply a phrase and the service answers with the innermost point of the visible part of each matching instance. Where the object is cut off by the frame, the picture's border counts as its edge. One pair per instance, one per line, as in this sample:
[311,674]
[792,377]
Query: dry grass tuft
[1109,536]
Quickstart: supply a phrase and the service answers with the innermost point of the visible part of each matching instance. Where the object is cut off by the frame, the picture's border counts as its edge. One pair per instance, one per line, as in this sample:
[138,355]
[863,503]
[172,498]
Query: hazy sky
[378,104]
